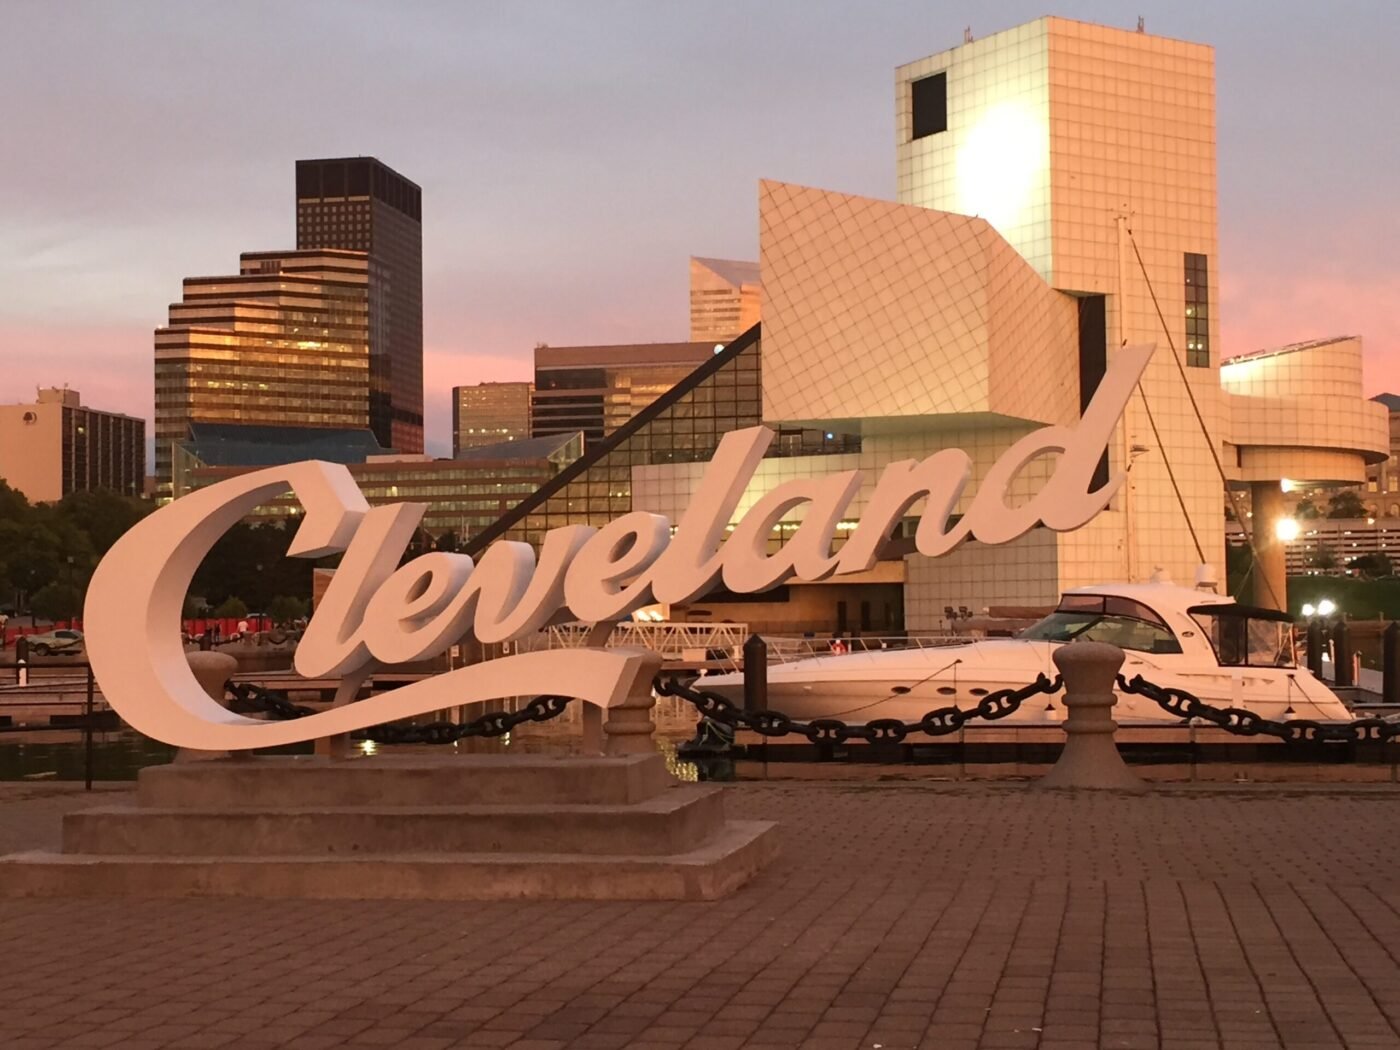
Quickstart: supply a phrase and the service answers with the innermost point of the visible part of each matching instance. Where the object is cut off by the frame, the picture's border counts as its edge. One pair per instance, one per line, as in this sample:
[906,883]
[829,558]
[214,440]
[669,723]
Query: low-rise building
[57,445]
[462,495]
[596,389]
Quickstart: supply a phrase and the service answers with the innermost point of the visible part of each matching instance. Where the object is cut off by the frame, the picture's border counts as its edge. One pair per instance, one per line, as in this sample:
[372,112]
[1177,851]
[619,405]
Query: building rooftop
[625,354]
[1291,348]
[1390,401]
[260,445]
[732,270]
[526,448]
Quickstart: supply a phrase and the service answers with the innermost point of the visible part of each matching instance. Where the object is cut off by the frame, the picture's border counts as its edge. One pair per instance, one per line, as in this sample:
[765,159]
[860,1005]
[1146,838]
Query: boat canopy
[1254,612]
[1246,635]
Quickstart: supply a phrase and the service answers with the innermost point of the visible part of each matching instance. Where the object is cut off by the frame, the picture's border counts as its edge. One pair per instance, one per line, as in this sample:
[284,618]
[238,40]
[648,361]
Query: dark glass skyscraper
[359,204]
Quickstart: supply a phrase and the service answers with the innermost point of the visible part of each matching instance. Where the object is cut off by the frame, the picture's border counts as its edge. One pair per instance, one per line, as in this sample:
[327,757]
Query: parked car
[64,643]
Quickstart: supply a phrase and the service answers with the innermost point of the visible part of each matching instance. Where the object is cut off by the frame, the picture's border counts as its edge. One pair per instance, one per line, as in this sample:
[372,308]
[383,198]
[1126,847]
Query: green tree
[1239,562]
[251,561]
[58,544]
[1324,558]
[284,609]
[1372,566]
[231,608]
[103,516]
[35,552]
[1346,503]
[13,505]
[1306,508]
[56,601]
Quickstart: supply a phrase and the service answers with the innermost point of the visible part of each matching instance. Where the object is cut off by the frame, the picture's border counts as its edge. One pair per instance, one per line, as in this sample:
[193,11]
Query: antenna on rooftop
[967,35]
[1142,24]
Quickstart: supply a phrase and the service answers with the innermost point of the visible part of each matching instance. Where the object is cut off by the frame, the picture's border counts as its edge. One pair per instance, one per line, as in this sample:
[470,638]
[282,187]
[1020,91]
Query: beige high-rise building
[57,445]
[726,299]
[1086,147]
[490,413]
[285,342]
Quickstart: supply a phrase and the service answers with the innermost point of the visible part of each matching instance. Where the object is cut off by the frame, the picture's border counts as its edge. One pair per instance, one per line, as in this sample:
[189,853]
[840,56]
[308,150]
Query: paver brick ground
[900,915]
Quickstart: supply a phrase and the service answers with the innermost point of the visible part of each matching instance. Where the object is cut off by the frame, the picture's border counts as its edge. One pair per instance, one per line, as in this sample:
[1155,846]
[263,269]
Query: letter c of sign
[137,594]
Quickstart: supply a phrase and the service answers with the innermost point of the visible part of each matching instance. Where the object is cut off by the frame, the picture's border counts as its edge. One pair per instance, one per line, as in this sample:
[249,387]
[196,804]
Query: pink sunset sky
[573,156]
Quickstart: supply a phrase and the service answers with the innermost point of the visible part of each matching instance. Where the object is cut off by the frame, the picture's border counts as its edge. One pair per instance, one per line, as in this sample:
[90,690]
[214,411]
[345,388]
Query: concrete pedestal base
[479,827]
[1090,758]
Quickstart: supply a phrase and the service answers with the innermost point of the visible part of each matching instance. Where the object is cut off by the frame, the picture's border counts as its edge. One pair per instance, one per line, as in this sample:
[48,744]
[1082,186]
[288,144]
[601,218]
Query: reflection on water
[59,754]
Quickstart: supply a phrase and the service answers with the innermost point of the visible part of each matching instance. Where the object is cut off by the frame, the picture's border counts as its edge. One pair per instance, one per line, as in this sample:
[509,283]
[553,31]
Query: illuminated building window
[1197,311]
[930,96]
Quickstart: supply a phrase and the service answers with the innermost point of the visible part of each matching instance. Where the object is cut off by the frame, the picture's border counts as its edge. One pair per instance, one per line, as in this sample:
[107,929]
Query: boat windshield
[1243,637]
[1119,621]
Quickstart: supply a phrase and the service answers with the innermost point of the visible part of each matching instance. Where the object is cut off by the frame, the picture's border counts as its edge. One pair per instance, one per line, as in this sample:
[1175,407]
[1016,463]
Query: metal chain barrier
[251,699]
[1246,723]
[255,699]
[939,722]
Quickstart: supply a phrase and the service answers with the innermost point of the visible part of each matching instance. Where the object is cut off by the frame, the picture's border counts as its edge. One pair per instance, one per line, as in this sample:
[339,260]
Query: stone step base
[268,782]
[710,871]
[677,819]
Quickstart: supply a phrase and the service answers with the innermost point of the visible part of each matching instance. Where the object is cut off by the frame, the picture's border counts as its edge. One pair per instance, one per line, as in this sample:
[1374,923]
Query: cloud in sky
[572,156]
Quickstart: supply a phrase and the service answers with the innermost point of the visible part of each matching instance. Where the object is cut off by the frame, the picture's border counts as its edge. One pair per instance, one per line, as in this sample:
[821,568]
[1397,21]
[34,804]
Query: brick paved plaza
[900,915]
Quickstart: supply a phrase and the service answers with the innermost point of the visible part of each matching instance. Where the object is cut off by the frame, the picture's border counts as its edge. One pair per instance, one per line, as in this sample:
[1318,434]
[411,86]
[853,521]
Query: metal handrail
[89,710]
[669,639]
[786,648]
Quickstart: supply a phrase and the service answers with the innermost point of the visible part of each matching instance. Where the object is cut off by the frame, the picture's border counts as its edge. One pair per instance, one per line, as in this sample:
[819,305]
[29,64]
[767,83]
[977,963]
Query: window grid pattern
[1197,311]
[687,431]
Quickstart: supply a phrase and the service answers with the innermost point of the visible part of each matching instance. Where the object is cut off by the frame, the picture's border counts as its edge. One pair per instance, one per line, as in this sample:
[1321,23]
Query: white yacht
[1226,654]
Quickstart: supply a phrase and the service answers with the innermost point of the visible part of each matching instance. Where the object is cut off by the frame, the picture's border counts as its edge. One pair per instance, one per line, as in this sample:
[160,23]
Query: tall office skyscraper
[283,343]
[726,299]
[359,204]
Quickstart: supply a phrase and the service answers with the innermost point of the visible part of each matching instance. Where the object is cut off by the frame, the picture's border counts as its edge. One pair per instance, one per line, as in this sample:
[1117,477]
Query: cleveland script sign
[374,613]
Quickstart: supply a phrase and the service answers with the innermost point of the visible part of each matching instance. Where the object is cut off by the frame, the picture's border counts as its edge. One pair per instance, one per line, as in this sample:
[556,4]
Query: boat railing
[784,649]
[674,641]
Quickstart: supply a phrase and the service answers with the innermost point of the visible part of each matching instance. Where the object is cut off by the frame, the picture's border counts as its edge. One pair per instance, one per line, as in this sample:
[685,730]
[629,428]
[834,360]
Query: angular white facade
[1056,200]
[890,315]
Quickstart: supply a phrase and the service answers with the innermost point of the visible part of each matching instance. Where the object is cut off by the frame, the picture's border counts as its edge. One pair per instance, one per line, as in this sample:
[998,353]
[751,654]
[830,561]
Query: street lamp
[1286,529]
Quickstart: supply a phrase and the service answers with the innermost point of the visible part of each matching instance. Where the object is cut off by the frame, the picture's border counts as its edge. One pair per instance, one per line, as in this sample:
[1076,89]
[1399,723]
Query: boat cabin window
[1245,637]
[1096,618]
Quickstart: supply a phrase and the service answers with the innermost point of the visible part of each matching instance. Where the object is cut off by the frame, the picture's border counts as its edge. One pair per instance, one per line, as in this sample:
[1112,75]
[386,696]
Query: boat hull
[905,685]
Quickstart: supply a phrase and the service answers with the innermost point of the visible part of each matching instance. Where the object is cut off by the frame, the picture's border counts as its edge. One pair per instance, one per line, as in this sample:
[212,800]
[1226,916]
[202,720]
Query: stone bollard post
[1390,664]
[755,674]
[1343,673]
[629,727]
[211,671]
[1090,758]
[1317,642]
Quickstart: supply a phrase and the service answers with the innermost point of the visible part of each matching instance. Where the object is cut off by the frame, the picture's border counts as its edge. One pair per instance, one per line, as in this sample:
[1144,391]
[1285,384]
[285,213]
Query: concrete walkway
[900,915]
